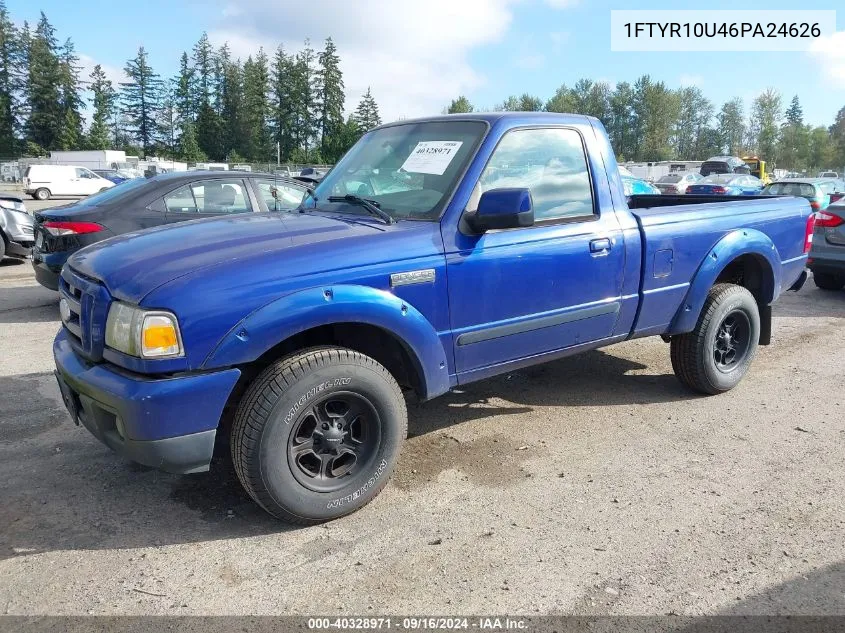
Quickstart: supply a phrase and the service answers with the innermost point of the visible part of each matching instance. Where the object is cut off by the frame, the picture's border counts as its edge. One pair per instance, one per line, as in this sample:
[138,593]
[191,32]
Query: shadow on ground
[63,490]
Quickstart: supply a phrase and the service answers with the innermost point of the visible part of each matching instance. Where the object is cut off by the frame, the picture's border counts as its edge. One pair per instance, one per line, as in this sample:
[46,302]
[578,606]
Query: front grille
[88,303]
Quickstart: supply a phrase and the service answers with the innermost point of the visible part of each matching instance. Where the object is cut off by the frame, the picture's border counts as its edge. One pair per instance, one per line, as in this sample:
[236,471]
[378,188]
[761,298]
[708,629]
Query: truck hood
[134,264]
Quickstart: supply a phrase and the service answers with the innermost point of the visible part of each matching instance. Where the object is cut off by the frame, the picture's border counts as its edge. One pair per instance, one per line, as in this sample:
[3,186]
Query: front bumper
[166,423]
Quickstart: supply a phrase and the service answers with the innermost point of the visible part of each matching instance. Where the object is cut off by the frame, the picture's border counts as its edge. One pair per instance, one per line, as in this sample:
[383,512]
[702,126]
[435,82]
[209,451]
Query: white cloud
[688,81]
[830,51]
[413,55]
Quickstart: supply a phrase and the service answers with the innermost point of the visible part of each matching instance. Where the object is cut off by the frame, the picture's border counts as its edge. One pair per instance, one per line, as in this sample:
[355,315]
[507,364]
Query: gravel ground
[591,485]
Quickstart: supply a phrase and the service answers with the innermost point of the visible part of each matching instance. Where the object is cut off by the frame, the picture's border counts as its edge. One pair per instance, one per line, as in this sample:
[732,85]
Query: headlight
[143,333]
[13,205]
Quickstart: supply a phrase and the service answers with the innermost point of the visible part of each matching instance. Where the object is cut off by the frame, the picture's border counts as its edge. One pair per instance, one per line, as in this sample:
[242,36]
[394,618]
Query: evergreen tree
[303,103]
[232,105]
[461,105]
[366,114]
[167,120]
[70,136]
[188,149]
[821,153]
[282,102]
[329,82]
[256,108]
[43,94]
[185,97]
[140,100]
[9,58]
[794,147]
[204,66]
[209,131]
[731,120]
[103,100]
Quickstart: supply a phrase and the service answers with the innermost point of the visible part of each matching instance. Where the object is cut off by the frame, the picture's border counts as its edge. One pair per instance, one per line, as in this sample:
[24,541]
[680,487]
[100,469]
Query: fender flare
[733,245]
[292,314]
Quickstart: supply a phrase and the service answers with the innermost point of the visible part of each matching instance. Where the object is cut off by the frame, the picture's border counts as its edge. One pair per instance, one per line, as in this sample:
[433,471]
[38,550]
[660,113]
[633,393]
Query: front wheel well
[378,343]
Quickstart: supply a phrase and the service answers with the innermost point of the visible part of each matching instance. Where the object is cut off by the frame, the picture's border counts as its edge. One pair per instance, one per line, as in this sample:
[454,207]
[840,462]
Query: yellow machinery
[758,168]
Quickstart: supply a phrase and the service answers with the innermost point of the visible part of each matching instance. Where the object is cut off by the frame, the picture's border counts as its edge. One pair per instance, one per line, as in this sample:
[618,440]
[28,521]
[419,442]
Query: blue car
[727,185]
[111,175]
[634,186]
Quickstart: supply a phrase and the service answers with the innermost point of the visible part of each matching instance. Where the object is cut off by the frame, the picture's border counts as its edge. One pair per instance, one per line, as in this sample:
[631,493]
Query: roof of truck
[492,117]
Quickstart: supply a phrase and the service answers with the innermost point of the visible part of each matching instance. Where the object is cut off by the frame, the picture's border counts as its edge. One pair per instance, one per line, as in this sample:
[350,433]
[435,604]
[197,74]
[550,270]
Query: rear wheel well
[755,274]
[751,272]
[370,340]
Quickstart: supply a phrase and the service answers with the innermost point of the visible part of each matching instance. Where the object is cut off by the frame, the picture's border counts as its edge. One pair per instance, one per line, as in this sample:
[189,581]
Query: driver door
[525,292]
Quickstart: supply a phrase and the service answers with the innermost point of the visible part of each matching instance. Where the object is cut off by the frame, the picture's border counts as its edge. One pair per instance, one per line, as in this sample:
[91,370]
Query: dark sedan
[144,203]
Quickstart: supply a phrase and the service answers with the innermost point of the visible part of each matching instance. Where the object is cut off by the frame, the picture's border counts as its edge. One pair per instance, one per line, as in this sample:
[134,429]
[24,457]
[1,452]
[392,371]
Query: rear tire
[829,281]
[318,433]
[715,356]
[42,194]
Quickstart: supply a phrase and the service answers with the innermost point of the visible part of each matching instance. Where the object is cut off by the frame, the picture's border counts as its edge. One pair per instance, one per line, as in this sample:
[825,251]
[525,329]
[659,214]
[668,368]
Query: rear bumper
[166,423]
[48,267]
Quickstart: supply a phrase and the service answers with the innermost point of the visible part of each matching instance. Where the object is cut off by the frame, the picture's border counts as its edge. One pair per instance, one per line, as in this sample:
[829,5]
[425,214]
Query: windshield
[408,170]
[669,178]
[801,189]
[110,194]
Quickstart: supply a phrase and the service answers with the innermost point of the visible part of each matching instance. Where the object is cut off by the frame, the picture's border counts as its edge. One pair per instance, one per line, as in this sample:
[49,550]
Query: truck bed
[678,232]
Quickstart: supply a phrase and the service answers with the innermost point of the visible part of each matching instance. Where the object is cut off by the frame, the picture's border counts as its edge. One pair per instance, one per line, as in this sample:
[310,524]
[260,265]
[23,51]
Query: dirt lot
[591,485]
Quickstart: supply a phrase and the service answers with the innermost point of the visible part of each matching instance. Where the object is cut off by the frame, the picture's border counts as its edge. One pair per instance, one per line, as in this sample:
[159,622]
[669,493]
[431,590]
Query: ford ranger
[437,252]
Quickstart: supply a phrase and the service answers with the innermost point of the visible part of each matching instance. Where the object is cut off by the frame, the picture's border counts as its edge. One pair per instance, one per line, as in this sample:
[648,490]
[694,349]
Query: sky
[418,55]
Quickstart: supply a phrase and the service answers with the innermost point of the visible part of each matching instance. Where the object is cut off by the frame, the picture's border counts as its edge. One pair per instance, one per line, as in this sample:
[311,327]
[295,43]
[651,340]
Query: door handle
[600,246]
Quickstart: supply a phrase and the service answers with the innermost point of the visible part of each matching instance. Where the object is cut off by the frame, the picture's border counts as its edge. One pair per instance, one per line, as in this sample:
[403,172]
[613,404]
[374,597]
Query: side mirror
[502,209]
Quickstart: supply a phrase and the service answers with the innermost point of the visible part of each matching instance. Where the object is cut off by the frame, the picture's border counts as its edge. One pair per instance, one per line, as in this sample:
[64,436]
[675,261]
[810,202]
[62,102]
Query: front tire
[716,355]
[829,281]
[318,433]
[42,194]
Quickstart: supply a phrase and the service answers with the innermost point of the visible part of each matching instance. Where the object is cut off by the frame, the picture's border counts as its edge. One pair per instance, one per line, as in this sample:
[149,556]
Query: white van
[43,181]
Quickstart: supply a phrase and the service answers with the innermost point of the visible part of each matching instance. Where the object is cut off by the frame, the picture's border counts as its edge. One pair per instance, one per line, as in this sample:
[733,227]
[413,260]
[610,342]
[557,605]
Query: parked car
[111,175]
[816,190]
[634,186]
[724,165]
[829,174]
[45,181]
[510,245]
[677,183]
[727,185]
[827,257]
[147,202]
[16,227]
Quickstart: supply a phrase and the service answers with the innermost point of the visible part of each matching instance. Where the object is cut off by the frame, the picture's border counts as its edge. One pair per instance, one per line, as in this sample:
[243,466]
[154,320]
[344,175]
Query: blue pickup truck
[437,252]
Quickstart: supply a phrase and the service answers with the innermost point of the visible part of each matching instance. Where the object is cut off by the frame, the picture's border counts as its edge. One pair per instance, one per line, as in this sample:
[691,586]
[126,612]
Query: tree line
[217,107]
[647,121]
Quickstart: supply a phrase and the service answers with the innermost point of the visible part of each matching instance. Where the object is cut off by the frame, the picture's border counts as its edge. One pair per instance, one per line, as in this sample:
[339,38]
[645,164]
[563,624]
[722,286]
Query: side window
[220,196]
[81,173]
[279,195]
[180,201]
[551,163]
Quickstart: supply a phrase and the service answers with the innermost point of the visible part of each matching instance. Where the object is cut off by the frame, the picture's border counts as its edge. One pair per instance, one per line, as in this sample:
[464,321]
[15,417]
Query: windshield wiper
[370,205]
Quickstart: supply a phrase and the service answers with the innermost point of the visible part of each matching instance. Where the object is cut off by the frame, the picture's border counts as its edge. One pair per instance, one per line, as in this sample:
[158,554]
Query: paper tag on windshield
[431,157]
